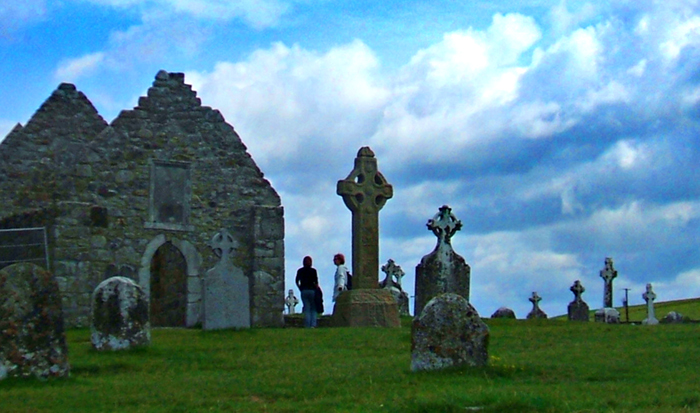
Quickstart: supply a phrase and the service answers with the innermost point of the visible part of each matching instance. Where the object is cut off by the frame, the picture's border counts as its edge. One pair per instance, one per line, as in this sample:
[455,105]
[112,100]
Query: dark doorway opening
[168,287]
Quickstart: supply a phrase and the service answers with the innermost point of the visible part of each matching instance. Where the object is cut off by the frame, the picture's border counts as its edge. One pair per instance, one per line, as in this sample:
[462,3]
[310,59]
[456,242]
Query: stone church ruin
[140,197]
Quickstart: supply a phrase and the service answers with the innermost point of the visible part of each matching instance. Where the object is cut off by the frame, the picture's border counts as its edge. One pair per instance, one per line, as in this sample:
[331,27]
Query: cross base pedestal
[366,308]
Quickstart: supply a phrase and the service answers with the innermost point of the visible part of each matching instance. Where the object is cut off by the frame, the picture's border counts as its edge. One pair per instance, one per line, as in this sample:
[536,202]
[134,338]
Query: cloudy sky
[560,132]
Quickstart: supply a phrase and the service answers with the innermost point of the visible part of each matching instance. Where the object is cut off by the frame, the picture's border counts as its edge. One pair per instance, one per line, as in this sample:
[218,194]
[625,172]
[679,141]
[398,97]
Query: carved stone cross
[365,191]
[444,225]
[577,289]
[649,296]
[392,271]
[608,274]
[223,244]
[535,300]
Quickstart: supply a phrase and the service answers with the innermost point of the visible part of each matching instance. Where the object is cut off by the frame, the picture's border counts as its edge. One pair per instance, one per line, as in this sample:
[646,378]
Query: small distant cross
[444,225]
[223,244]
[577,289]
[649,295]
[535,300]
[392,271]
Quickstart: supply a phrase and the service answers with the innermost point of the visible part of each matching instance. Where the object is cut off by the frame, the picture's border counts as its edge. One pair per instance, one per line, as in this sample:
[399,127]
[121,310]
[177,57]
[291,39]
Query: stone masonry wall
[98,178]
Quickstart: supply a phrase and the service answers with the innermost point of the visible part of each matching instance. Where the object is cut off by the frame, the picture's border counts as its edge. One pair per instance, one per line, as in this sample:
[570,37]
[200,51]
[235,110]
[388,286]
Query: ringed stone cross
[577,289]
[223,244]
[608,274]
[535,300]
[649,296]
[392,271]
[365,191]
[444,225]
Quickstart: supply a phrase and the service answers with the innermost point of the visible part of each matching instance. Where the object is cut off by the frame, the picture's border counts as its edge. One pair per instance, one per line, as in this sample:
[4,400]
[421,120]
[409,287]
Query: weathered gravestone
[649,296]
[448,333]
[32,336]
[608,274]
[226,288]
[578,309]
[119,315]
[607,315]
[364,192]
[443,270]
[503,312]
[291,301]
[674,317]
[392,272]
[536,312]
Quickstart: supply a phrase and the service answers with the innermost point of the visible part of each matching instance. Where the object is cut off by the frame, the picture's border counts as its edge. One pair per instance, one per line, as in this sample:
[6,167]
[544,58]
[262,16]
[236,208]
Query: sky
[559,132]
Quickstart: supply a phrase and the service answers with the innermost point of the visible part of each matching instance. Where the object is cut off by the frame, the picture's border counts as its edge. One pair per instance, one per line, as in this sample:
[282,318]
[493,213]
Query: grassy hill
[688,307]
[535,366]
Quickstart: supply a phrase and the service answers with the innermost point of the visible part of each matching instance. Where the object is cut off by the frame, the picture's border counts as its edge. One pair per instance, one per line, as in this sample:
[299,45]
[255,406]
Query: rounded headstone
[32,335]
[448,332]
[119,315]
[674,318]
[503,312]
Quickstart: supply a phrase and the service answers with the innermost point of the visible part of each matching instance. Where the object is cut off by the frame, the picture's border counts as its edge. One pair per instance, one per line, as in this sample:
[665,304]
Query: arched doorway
[168,287]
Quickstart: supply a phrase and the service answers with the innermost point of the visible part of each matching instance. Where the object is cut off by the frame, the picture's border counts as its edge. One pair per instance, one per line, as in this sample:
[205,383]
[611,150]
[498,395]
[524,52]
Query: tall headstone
[226,288]
[536,312]
[448,333]
[119,315]
[364,192]
[608,274]
[578,309]
[392,282]
[649,296]
[443,270]
[32,335]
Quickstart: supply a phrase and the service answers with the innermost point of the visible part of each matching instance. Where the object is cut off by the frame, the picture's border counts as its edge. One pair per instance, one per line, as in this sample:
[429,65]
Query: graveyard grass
[535,366]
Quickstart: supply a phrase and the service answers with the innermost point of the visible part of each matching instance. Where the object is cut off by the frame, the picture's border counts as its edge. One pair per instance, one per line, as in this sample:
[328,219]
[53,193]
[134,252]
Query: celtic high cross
[577,289]
[365,191]
[608,274]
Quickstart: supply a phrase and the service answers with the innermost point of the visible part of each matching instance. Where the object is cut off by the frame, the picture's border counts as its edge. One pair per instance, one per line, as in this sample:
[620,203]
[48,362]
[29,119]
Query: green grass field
[535,366]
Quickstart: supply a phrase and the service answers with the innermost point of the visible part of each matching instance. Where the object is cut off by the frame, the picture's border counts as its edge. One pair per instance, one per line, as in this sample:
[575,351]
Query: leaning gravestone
[649,296]
[503,312]
[578,309]
[536,312]
[448,333]
[226,289]
[392,272]
[365,192]
[443,270]
[31,324]
[119,315]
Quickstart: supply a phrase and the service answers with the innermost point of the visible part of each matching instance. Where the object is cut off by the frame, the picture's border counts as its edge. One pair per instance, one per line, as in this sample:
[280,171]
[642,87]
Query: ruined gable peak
[169,93]
[67,113]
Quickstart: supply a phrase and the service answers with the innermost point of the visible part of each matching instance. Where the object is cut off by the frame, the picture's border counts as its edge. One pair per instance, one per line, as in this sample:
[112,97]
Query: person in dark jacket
[307,281]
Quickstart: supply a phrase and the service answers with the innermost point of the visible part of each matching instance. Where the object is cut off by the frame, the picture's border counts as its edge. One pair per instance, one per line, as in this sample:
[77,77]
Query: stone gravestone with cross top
[649,296]
[392,282]
[608,274]
[226,288]
[536,311]
[578,309]
[365,192]
[443,270]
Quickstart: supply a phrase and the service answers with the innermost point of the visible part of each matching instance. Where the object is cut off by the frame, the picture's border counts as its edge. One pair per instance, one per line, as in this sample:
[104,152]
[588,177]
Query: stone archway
[185,258]
[168,299]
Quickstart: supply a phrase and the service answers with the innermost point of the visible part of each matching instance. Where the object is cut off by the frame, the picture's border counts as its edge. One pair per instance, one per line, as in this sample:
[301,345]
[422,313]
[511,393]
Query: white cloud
[70,70]
[286,100]
[16,14]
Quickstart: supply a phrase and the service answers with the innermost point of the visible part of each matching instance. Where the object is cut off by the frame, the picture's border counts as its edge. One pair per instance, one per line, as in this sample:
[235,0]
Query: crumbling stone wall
[99,178]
